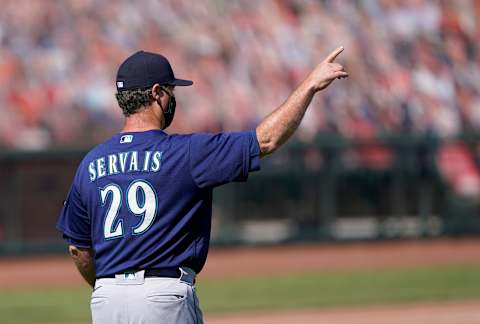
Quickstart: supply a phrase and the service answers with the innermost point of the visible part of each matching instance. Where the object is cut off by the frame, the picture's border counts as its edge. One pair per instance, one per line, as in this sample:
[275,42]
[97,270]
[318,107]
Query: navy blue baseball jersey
[143,200]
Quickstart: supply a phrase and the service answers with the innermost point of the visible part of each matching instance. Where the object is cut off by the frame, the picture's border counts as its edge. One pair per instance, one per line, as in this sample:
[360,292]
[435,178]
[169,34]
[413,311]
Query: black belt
[165,272]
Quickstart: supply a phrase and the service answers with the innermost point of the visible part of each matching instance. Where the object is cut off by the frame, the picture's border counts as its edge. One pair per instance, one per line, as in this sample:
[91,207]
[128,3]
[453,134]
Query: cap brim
[181,83]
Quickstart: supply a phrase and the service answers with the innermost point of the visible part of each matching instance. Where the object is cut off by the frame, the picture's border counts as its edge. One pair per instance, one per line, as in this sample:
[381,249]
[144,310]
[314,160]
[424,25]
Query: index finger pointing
[334,55]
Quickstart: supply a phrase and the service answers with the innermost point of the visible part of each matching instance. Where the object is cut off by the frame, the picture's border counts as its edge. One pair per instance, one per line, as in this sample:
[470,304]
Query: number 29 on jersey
[140,199]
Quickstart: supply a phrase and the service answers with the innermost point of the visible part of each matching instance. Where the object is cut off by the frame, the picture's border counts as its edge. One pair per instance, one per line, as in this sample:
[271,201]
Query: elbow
[266,141]
[85,263]
[268,147]
[82,256]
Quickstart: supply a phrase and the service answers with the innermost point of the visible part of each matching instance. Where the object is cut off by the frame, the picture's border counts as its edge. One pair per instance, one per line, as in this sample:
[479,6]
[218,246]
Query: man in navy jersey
[137,216]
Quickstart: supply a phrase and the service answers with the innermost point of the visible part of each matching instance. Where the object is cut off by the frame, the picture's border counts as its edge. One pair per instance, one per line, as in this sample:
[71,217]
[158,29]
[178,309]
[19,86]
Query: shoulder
[89,158]
[95,152]
[205,143]
[222,136]
[179,138]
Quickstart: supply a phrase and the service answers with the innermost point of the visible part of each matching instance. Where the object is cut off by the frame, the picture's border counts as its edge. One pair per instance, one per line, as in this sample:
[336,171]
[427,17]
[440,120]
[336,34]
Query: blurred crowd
[414,65]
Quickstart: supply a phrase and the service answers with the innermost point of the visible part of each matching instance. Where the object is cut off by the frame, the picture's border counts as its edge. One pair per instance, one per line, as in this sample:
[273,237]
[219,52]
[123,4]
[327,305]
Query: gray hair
[131,101]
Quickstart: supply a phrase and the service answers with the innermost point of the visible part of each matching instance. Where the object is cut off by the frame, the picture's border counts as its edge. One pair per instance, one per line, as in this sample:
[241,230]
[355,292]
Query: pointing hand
[327,71]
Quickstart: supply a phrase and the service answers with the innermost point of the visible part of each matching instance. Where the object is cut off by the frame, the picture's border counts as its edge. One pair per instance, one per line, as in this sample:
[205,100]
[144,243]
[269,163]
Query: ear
[157,91]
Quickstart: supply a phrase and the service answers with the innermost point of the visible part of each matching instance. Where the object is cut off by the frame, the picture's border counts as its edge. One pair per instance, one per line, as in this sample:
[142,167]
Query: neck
[141,122]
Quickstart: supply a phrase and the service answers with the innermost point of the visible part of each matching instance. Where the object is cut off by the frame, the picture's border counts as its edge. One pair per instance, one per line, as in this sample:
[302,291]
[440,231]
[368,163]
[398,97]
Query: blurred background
[390,154]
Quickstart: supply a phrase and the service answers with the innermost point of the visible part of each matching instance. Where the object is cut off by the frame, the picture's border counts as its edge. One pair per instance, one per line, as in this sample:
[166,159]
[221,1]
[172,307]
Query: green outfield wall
[330,189]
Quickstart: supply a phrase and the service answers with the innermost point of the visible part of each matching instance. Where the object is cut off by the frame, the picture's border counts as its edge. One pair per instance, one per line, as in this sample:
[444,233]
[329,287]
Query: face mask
[170,111]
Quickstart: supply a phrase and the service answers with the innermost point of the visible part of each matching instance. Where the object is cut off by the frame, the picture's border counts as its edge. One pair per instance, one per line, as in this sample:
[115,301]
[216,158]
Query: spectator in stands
[415,65]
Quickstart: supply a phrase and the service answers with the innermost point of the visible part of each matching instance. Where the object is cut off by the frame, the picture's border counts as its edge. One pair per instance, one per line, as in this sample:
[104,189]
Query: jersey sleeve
[74,221]
[216,159]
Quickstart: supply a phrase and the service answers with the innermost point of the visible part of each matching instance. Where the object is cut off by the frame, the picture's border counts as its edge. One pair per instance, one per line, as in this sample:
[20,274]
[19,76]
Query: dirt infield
[44,272]
[340,257]
[60,272]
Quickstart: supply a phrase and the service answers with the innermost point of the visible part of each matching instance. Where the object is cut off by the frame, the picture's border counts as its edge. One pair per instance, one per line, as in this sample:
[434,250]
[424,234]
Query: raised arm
[279,125]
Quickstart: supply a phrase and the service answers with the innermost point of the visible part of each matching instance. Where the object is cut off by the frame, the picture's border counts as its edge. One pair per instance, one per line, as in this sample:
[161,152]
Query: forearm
[279,125]
[85,263]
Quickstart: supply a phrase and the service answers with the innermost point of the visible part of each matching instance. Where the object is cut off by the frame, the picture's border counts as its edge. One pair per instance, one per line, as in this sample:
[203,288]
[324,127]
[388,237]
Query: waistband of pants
[182,273]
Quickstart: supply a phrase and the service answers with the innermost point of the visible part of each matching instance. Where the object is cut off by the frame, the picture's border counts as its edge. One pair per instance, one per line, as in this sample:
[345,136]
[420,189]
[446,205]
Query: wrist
[309,86]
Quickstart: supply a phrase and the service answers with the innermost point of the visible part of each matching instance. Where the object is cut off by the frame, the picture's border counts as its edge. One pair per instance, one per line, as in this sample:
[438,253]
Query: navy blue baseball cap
[143,69]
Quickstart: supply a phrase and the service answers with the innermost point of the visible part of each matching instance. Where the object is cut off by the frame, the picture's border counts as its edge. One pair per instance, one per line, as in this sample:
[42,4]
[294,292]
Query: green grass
[269,293]
[45,306]
[335,289]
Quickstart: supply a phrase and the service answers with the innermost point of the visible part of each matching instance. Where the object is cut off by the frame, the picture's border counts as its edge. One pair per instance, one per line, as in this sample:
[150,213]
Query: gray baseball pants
[130,298]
